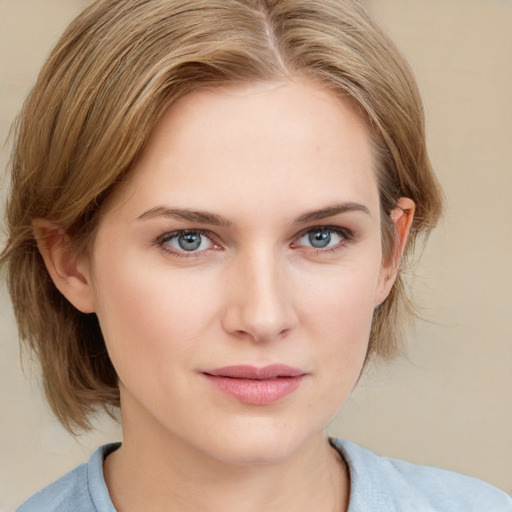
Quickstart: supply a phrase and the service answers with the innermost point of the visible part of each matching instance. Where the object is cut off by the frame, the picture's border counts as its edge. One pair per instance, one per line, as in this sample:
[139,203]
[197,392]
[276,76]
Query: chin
[261,443]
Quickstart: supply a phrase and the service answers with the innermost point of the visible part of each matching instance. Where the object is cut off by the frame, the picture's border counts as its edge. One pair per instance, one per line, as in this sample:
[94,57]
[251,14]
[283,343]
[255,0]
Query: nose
[259,306]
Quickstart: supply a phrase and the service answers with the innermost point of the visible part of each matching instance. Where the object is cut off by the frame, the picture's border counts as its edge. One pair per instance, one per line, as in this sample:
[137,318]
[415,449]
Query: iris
[320,238]
[190,241]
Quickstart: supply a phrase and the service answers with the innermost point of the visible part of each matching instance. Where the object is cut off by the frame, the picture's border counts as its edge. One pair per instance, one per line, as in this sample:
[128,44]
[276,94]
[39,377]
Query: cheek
[337,310]
[335,316]
[150,314]
[342,295]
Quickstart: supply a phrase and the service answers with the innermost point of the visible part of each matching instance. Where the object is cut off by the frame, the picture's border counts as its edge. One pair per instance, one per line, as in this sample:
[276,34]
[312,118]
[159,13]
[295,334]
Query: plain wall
[449,403]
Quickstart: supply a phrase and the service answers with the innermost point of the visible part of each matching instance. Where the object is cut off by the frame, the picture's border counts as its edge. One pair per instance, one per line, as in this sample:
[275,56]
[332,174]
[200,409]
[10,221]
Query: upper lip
[272,371]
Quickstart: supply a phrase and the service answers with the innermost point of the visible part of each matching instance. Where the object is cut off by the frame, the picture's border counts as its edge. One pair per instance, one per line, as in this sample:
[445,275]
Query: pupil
[320,239]
[189,241]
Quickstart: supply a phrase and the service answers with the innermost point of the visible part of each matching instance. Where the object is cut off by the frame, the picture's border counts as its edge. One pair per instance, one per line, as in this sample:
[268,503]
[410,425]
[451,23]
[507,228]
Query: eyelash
[163,240]
[345,235]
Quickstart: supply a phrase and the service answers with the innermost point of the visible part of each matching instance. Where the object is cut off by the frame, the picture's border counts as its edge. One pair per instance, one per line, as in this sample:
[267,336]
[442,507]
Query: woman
[207,223]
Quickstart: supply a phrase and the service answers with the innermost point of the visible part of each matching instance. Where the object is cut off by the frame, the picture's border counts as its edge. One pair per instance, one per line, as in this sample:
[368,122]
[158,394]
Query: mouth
[256,385]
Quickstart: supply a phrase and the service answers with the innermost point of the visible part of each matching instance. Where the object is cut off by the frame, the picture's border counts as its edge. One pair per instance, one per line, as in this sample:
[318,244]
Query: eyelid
[170,235]
[347,236]
[345,233]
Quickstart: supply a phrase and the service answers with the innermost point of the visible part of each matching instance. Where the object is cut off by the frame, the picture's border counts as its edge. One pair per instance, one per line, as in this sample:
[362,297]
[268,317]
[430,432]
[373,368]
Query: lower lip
[256,392]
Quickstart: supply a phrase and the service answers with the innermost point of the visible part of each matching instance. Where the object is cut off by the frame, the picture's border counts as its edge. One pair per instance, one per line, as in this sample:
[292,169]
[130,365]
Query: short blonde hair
[113,73]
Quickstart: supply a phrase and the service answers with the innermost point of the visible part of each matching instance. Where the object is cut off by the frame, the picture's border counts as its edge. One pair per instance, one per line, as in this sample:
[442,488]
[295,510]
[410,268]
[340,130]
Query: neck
[155,470]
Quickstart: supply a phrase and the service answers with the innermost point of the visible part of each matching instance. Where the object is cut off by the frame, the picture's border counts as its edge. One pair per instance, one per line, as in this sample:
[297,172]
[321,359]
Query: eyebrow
[186,214]
[218,220]
[331,211]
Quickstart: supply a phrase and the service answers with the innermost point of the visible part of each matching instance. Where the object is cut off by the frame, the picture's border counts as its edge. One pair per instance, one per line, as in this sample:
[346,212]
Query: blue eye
[319,239]
[188,241]
[323,237]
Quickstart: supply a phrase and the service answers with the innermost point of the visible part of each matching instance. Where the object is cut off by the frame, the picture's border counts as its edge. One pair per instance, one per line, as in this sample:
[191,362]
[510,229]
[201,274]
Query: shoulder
[81,490]
[384,484]
[62,495]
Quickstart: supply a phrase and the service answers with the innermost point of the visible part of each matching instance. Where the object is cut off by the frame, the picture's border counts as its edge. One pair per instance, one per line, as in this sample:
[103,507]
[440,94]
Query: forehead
[285,143]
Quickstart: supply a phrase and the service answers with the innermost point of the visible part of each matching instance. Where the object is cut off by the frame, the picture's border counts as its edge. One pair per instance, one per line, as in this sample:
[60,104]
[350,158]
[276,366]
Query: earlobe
[69,271]
[402,217]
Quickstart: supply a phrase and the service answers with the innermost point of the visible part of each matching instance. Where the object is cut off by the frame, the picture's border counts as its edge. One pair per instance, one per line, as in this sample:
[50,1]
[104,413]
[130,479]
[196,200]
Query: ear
[402,217]
[69,271]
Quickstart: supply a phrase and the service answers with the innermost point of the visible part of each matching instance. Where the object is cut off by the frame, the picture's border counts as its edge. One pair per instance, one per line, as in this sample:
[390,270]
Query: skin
[263,158]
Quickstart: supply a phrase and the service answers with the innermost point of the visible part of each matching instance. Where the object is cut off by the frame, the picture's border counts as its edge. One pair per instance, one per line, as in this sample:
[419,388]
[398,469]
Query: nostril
[261,312]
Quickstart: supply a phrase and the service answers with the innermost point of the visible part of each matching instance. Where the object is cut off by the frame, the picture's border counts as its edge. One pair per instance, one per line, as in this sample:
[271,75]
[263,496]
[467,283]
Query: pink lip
[256,386]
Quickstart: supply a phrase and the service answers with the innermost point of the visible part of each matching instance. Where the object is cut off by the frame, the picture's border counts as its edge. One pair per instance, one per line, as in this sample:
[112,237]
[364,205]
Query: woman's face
[236,273]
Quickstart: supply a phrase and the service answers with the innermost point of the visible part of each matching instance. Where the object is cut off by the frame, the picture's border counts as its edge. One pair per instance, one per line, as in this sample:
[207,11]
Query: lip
[256,385]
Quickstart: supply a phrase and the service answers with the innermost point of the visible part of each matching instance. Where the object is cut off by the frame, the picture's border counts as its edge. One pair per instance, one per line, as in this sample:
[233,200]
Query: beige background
[450,403]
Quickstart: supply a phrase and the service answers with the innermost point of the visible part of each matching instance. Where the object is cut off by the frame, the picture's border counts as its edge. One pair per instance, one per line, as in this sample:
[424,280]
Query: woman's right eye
[190,242]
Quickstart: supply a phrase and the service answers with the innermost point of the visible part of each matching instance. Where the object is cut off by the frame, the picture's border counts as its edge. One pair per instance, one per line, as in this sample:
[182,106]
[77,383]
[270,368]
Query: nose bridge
[260,305]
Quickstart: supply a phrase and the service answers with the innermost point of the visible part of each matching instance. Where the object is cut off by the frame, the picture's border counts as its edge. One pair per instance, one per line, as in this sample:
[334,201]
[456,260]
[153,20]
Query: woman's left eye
[328,237]
[186,242]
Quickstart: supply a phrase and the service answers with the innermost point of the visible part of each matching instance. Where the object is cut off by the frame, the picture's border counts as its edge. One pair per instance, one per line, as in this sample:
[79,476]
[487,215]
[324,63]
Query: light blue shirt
[377,484]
